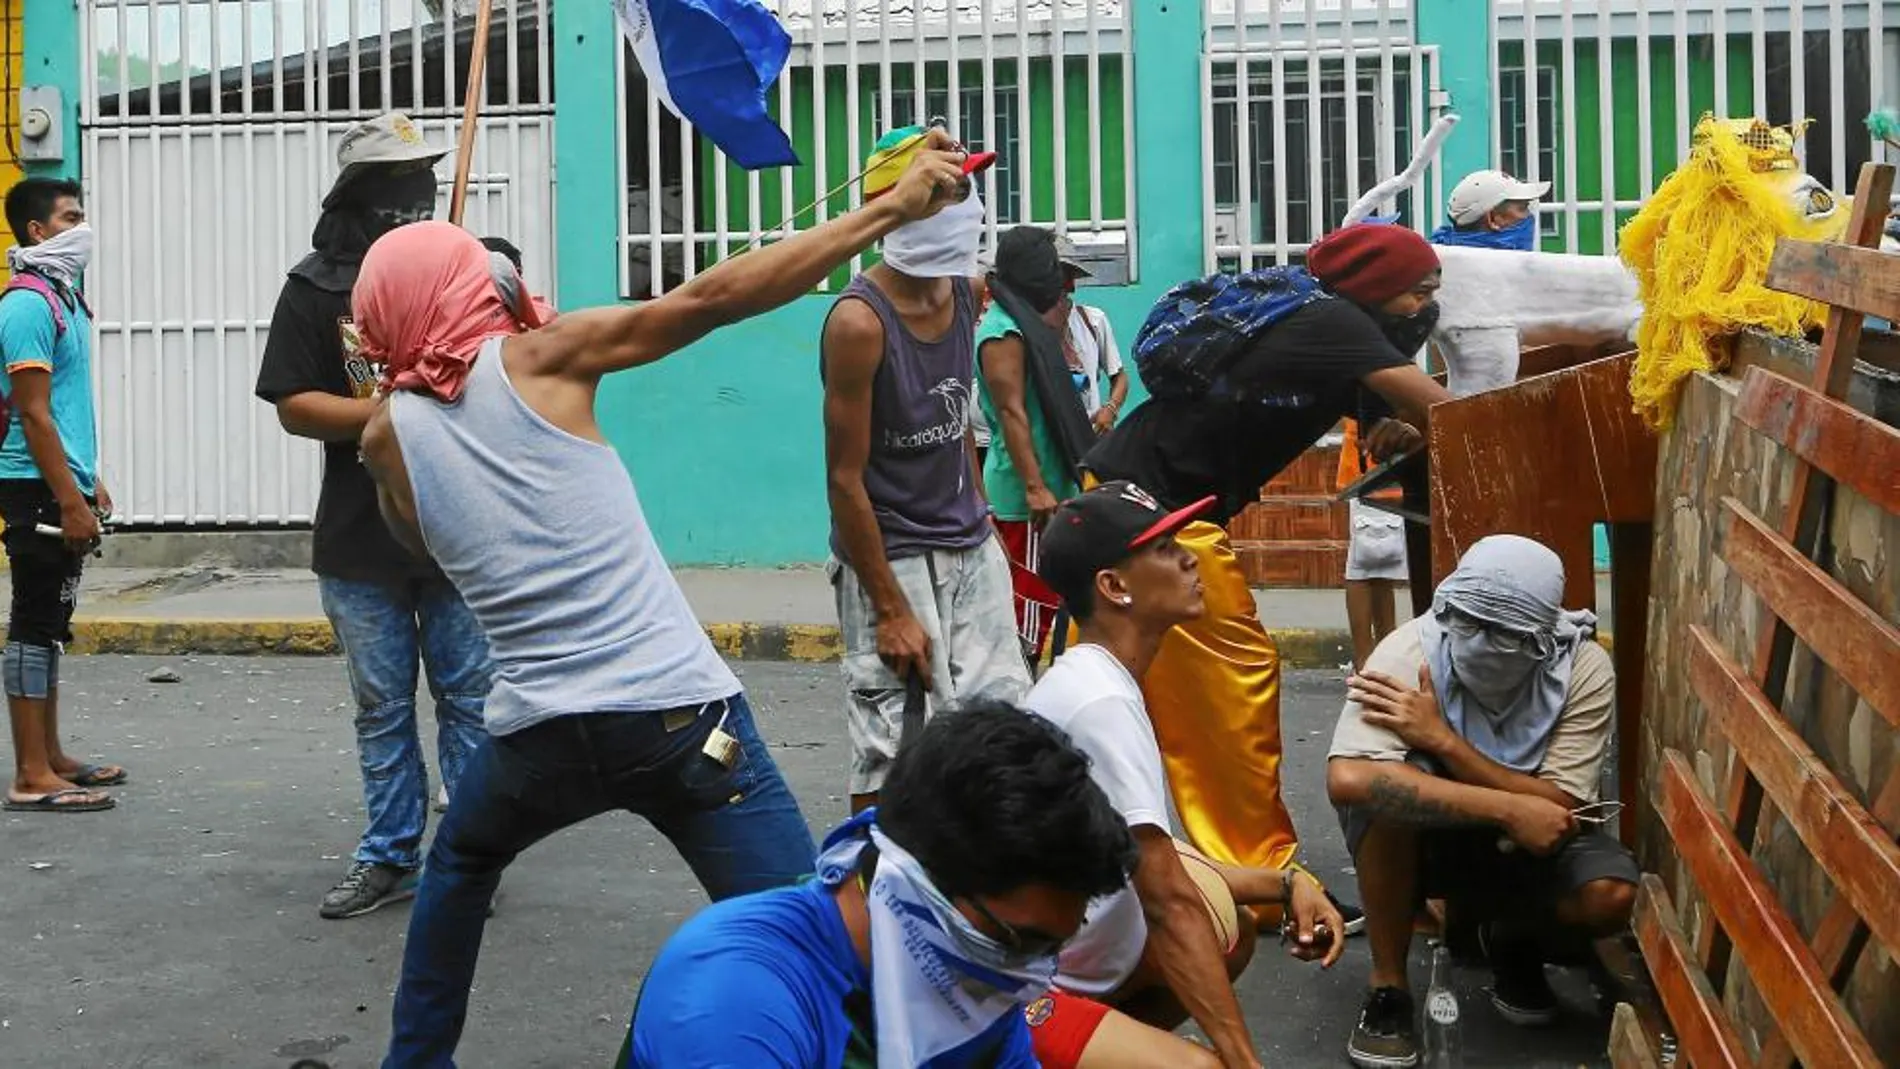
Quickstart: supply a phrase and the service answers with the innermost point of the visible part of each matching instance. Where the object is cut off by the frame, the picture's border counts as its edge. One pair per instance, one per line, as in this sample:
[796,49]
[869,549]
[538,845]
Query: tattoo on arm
[1398,801]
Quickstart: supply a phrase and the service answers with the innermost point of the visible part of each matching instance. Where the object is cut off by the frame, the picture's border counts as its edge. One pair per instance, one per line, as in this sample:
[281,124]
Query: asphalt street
[181,929]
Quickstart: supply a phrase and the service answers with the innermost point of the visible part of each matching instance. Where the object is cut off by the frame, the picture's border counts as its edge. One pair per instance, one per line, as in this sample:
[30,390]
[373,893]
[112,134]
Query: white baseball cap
[1482,191]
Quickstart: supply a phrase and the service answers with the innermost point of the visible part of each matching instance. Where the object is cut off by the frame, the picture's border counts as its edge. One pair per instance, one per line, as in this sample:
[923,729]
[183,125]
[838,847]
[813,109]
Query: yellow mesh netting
[1700,250]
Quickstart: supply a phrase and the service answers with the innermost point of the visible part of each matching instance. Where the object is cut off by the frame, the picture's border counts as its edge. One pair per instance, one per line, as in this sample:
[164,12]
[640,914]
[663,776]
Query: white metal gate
[210,131]
[1335,95]
[1018,77]
[1600,97]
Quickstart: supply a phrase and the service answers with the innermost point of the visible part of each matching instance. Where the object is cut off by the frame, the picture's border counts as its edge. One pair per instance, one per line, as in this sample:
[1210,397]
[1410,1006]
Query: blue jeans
[738,828]
[384,629]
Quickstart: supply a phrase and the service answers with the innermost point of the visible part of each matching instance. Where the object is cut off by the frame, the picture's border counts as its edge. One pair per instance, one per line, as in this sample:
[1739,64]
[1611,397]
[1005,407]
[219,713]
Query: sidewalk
[776,614]
[753,614]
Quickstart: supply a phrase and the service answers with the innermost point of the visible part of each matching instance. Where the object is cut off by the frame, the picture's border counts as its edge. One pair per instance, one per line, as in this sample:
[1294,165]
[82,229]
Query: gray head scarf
[1501,646]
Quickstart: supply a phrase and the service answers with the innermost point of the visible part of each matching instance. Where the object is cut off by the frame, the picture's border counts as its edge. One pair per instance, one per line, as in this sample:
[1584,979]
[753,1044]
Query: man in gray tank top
[922,583]
[489,460]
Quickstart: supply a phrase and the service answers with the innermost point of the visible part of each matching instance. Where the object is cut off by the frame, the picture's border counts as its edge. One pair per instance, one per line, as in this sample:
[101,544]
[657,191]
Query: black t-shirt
[1299,378]
[312,347]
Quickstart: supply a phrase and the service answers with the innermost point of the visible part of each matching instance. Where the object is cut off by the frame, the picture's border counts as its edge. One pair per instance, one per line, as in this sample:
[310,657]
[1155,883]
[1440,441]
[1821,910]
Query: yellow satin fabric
[1213,693]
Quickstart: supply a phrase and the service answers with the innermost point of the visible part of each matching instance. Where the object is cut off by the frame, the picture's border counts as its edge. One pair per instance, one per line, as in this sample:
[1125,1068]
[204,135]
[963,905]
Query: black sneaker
[367,886]
[1519,990]
[1354,917]
[1385,1037]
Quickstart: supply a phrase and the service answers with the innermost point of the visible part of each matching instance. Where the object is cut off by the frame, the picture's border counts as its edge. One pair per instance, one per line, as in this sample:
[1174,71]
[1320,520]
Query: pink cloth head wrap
[425,301]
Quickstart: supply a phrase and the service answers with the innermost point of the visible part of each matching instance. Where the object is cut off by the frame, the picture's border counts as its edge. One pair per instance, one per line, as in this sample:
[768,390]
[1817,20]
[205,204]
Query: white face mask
[63,256]
[942,246]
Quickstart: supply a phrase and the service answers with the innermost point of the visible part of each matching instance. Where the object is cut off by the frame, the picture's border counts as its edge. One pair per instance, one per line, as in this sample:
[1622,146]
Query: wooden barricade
[1797,977]
[1549,458]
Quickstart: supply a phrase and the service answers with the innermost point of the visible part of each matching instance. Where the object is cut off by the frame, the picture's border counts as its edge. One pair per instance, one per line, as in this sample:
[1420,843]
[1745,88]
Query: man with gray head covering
[1464,766]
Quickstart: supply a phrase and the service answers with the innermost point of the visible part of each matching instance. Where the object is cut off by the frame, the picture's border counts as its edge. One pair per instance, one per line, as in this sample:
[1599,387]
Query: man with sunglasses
[1465,764]
[934,919]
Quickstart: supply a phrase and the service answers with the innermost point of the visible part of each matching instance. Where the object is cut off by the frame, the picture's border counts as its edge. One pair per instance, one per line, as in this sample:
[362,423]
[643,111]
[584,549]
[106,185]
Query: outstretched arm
[1409,391]
[588,344]
[1182,946]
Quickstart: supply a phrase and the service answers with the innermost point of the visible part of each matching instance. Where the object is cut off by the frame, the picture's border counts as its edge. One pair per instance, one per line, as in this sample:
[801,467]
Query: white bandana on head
[937,983]
[62,257]
[942,246]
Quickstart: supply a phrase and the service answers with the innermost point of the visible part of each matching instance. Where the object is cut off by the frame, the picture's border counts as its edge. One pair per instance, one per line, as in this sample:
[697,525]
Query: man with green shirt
[1036,467]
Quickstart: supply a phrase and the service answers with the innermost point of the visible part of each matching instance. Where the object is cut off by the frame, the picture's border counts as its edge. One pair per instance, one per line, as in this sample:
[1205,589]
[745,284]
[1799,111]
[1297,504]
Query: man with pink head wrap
[489,460]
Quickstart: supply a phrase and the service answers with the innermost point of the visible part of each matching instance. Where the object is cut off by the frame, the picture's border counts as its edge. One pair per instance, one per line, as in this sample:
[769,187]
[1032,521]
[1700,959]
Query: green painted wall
[1626,112]
[841,163]
[52,55]
[724,439]
[1462,31]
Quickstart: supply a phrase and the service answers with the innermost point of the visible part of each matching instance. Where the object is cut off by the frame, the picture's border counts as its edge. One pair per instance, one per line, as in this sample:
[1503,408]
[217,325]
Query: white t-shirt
[1094,342]
[1090,695]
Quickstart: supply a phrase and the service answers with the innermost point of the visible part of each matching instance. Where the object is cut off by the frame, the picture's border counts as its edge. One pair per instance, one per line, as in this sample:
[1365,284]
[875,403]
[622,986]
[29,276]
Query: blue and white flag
[711,61]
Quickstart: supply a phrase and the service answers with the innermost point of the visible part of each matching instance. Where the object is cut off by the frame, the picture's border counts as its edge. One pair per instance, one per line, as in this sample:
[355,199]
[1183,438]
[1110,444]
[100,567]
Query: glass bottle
[1444,1048]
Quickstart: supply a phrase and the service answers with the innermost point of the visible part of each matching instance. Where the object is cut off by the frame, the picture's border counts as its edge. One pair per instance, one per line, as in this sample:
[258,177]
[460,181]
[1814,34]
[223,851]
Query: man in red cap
[1148,958]
[1214,689]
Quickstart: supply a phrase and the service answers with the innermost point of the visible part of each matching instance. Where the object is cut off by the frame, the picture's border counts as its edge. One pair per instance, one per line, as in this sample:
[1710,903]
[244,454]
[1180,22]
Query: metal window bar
[1704,46]
[917,68]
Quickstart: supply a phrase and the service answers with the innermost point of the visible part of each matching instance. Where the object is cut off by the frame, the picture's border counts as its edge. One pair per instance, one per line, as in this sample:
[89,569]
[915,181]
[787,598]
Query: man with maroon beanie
[1214,689]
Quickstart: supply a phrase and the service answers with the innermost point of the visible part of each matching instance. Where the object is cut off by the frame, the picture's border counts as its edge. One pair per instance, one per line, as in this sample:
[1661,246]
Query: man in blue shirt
[49,478]
[930,934]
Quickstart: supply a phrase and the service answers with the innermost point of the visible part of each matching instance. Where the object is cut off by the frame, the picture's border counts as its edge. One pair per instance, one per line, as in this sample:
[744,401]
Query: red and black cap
[1103,527]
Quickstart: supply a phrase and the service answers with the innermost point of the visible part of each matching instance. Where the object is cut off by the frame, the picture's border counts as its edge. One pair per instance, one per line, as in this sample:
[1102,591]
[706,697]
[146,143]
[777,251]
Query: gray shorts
[964,602]
[1466,866]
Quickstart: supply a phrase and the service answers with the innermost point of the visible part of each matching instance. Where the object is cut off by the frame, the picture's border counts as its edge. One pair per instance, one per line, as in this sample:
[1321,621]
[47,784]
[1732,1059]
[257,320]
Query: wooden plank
[1833,370]
[1855,851]
[1864,280]
[1545,458]
[1834,365]
[1630,1047]
[1841,935]
[1856,641]
[1854,449]
[1704,1036]
[1784,971]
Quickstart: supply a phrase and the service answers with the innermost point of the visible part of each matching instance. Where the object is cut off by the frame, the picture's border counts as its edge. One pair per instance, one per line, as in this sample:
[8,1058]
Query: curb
[1299,647]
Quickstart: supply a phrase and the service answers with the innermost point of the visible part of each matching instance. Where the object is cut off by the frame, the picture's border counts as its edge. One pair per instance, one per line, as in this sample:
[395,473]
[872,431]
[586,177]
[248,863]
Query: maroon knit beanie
[1371,263]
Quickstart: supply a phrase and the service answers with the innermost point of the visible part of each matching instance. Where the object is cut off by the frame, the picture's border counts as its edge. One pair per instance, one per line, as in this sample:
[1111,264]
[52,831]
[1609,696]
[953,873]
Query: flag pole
[471,104]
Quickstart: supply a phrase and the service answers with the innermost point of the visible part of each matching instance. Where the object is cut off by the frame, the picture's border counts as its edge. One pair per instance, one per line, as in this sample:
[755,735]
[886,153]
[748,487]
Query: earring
[1128,601]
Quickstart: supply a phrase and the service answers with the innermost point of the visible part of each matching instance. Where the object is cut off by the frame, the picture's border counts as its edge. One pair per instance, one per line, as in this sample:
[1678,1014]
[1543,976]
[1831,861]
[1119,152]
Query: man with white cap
[1492,210]
[922,585]
[389,608]
[1466,758]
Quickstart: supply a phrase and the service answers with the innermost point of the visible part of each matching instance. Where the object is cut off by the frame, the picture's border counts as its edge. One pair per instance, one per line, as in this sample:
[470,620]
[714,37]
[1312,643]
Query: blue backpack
[1195,331]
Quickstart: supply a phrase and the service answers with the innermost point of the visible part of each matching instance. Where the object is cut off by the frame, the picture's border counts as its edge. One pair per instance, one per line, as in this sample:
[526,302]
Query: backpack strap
[34,282]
